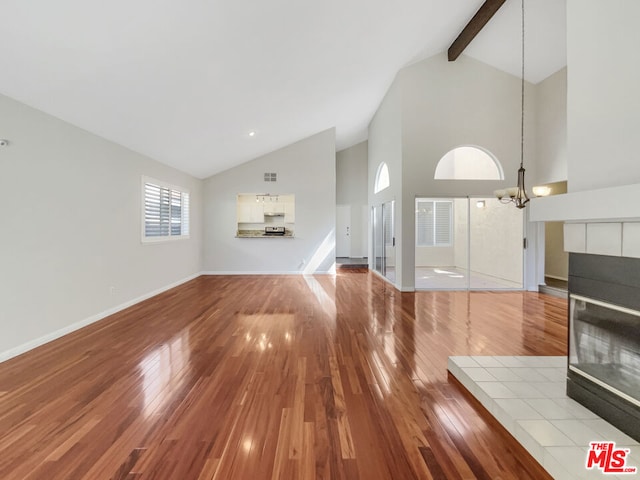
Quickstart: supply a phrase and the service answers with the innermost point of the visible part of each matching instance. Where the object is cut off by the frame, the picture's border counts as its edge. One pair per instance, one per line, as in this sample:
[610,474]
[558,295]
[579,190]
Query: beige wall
[385,145]
[71,248]
[351,189]
[603,118]
[306,169]
[448,104]
[551,129]
[556,262]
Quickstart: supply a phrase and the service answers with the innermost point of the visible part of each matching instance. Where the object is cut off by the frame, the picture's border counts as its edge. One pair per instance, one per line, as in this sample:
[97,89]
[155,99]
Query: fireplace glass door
[604,346]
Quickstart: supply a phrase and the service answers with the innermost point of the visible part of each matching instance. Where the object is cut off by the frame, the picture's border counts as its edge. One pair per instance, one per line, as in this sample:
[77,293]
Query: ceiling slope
[185,82]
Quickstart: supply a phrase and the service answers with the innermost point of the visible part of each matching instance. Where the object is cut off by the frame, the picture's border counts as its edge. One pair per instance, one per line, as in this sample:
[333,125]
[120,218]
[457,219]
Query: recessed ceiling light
[252,134]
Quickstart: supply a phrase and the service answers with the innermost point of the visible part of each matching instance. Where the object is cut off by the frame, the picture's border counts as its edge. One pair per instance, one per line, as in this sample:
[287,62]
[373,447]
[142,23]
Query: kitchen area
[264,215]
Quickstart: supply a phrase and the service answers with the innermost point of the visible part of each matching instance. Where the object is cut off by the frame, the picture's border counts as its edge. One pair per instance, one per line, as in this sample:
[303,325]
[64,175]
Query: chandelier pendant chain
[522,95]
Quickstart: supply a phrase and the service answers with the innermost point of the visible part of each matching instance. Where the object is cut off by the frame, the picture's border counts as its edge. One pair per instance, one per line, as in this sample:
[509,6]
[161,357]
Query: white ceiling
[185,81]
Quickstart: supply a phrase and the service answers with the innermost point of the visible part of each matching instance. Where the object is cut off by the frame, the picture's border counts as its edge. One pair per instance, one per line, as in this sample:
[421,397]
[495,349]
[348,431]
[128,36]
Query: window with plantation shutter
[434,223]
[165,211]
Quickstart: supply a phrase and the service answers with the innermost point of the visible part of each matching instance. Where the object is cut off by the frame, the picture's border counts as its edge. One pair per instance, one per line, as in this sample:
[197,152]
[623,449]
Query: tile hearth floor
[527,396]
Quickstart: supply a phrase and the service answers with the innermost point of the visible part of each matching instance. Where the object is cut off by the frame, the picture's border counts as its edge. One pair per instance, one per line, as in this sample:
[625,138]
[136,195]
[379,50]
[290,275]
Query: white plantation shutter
[434,223]
[443,223]
[166,212]
[185,213]
[424,223]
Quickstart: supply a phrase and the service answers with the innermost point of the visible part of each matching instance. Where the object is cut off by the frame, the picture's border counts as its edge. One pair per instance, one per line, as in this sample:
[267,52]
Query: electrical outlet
[112,291]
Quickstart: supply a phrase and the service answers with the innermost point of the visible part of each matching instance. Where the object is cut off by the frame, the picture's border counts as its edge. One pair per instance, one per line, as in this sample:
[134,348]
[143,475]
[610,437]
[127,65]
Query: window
[469,163]
[382,178]
[434,221]
[165,211]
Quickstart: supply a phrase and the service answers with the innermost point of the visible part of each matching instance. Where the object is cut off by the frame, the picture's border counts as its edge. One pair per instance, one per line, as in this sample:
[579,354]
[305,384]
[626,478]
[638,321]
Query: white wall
[435,256]
[351,189]
[385,145]
[72,228]
[306,169]
[448,104]
[551,129]
[603,114]
[496,240]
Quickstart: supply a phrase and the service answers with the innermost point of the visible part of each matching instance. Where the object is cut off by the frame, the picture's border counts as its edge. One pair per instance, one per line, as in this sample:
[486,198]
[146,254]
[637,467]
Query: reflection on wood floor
[271,377]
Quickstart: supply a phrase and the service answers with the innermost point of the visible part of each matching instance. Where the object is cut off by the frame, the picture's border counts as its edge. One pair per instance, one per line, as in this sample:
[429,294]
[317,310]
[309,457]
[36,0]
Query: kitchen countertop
[261,234]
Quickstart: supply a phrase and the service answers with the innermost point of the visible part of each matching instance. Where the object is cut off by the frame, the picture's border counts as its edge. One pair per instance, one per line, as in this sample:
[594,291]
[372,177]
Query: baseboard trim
[557,278]
[296,272]
[30,345]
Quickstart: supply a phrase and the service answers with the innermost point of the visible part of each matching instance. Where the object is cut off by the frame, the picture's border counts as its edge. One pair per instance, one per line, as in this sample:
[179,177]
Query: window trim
[167,238]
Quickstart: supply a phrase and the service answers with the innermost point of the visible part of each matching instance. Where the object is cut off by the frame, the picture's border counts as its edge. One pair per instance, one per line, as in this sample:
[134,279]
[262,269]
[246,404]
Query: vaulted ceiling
[185,82]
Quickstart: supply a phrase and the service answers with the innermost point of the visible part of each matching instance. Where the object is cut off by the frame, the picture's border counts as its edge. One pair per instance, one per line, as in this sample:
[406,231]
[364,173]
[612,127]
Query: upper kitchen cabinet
[290,211]
[250,212]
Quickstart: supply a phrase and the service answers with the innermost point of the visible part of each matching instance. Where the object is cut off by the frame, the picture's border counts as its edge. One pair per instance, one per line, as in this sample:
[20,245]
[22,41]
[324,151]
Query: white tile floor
[527,396]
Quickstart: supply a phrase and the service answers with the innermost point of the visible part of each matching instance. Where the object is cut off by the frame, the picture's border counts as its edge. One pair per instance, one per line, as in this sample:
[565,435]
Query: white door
[343,231]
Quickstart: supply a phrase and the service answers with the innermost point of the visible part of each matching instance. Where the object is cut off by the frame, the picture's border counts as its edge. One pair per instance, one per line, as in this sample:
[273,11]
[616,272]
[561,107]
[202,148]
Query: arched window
[469,163]
[382,178]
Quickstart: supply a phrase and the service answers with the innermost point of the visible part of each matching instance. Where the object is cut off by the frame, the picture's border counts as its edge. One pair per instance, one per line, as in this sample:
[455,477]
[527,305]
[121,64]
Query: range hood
[274,214]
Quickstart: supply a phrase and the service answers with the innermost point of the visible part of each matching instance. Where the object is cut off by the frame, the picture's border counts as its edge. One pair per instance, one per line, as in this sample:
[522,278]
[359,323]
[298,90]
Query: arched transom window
[382,178]
[469,163]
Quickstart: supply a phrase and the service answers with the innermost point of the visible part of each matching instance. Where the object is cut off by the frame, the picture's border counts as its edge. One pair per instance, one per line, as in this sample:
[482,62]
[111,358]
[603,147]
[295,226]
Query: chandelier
[518,194]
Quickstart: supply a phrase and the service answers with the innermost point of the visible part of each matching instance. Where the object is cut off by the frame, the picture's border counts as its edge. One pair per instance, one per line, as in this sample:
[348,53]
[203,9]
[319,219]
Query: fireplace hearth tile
[555,430]
[511,362]
[464,362]
[606,430]
[525,389]
[480,375]
[574,409]
[576,430]
[518,409]
[504,374]
[530,374]
[553,374]
[487,361]
[545,433]
[549,409]
[496,390]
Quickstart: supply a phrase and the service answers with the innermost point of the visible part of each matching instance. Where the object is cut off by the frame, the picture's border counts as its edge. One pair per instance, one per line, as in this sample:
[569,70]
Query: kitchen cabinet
[273,208]
[289,213]
[250,213]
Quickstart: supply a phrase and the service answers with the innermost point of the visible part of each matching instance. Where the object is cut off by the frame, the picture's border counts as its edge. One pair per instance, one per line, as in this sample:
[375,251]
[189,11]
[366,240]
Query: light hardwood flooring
[274,377]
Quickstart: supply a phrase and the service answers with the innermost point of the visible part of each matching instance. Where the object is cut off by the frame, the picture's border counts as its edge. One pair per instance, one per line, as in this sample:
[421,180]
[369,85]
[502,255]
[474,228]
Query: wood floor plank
[274,377]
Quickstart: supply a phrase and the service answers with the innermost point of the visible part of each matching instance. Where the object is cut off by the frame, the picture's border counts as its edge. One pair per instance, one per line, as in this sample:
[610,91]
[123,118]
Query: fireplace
[604,338]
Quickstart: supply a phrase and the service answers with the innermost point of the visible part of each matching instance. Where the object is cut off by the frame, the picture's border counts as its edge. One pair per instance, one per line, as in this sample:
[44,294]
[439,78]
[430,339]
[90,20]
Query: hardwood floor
[250,377]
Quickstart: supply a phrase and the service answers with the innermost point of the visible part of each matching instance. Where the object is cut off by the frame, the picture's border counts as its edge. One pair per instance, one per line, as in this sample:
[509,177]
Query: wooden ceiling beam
[477,23]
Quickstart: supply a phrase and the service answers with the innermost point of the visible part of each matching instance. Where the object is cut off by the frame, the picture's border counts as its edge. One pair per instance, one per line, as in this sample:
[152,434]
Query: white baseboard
[555,277]
[30,345]
[296,272]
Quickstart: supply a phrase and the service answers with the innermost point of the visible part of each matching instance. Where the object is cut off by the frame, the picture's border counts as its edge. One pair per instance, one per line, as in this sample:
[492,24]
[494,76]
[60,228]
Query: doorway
[343,231]
[383,241]
[465,243]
